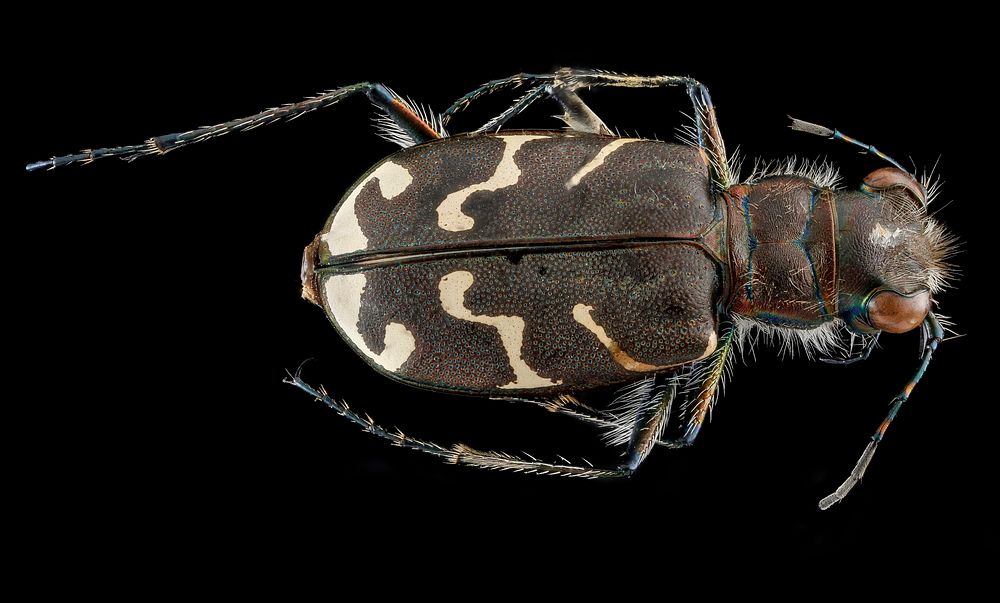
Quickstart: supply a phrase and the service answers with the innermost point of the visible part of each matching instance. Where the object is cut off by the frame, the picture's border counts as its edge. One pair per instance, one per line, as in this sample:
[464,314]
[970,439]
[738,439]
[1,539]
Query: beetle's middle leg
[641,424]
[707,380]
[620,426]
[576,114]
[562,85]
[707,133]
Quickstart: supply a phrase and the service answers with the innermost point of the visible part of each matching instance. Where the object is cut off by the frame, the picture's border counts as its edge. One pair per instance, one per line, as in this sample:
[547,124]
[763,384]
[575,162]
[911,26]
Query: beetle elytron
[533,265]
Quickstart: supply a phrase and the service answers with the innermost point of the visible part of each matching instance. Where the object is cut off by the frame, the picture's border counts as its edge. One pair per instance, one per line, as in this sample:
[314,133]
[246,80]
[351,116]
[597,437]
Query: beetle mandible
[535,265]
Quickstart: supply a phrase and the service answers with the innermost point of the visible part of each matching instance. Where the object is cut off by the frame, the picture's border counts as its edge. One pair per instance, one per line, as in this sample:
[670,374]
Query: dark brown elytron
[583,261]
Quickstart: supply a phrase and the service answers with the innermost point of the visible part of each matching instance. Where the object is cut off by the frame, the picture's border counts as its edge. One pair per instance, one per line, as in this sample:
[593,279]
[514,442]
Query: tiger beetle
[536,265]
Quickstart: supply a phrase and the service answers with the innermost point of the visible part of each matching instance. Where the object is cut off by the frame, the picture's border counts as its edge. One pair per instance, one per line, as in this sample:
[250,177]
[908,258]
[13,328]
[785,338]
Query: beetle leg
[869,345]
[459,454]
[577,115]
[572,407]
[650,421]
[708,381]
[490,87]
[406,124]
[519,105]
[639,418]
[707,135]
[397,437]
[409,126]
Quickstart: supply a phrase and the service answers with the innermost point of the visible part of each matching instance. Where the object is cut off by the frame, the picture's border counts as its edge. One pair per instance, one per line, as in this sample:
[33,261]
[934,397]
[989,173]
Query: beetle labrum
[535,265]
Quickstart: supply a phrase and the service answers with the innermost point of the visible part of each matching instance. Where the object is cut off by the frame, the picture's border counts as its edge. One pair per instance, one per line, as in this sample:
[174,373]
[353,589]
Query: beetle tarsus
[501,461]
[397,437]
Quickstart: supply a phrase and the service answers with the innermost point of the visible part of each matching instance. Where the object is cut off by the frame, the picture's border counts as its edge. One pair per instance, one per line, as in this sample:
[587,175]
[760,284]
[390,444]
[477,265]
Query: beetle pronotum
[534,265]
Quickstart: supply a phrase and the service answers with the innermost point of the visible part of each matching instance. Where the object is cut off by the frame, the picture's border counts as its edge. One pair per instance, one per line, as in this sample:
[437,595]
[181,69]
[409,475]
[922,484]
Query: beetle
[537,265]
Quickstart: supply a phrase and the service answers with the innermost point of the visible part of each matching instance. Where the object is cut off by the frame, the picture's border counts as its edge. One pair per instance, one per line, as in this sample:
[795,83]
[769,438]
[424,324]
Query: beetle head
[891,254]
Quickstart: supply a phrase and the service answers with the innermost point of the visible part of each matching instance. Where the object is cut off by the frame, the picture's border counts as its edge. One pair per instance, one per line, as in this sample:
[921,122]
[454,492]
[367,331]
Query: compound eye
[890,177]
[894,313]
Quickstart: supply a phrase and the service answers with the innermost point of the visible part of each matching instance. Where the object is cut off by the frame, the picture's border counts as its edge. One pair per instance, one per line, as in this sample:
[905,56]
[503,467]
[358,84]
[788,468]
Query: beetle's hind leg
[403,125]
[646,428]
[459,454]
[397,437]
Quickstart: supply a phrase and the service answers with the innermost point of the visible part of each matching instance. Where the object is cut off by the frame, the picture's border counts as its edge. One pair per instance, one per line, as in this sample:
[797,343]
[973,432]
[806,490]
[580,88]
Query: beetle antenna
[935,335]
[804,126]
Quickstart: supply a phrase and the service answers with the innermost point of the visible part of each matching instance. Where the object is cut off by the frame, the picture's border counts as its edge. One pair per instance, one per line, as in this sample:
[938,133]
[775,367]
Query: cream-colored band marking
[343,300]
[511,329]
[450,216]
[598,160]
[345,234]
[581,314]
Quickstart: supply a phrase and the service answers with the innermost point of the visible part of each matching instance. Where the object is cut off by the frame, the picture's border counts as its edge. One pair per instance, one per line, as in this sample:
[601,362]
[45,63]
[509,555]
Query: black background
[163,302]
